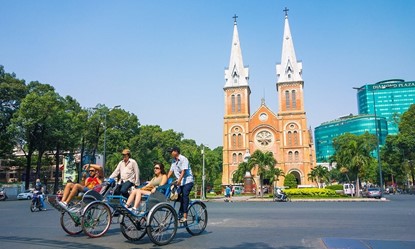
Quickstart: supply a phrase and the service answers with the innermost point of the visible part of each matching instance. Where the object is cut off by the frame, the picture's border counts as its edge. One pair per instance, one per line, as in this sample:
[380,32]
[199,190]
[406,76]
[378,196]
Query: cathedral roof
[290,69]
[236,74]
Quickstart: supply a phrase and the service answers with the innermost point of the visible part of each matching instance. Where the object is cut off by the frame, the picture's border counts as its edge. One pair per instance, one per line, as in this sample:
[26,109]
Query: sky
[164,60]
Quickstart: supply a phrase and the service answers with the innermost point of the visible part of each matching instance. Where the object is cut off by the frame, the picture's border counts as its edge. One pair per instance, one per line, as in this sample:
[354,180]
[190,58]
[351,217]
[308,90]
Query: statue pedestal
[248,183]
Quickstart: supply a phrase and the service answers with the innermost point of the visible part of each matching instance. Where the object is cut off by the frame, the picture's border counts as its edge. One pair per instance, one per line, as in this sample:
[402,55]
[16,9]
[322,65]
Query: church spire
[290,69]
[236,74]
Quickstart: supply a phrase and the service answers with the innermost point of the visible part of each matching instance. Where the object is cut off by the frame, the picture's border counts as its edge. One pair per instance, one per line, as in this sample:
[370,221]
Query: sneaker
[43,209]
[182,220]
[63,204]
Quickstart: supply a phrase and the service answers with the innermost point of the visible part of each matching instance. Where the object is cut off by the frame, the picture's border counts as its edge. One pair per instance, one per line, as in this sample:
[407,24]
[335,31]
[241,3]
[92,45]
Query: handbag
[174,195]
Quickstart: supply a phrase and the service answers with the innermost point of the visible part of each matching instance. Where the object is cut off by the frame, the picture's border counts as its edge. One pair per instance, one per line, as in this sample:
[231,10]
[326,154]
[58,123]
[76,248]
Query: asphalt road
[236,225]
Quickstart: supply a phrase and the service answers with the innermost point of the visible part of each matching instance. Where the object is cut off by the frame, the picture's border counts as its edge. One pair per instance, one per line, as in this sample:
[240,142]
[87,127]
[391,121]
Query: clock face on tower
[264,138]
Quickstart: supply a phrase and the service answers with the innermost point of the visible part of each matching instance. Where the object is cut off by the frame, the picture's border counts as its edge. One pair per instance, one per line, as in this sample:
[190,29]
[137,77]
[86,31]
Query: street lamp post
[377,140]
[105,134]
[203,173]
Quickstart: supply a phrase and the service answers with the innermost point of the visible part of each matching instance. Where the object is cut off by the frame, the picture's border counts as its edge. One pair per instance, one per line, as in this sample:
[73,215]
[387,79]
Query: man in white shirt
[181,169]
[128,171]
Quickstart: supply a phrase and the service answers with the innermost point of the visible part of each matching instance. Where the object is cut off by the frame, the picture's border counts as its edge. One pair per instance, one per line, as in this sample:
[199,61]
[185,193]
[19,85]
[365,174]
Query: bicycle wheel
[197,218]
[162,224]
[71,223]
[96,220]
[133,228]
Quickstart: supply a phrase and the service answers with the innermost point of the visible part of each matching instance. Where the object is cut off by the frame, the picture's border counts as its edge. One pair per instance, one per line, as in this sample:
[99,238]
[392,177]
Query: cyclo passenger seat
[161,195]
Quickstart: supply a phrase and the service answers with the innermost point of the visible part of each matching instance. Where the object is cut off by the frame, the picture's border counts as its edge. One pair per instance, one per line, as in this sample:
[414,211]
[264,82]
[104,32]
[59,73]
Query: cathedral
[284,133]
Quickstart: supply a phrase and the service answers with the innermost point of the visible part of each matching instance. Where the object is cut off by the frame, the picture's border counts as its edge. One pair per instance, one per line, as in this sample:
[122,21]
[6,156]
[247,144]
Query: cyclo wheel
[71,223]
[162,224]
[197,218]
[96,219]
[133,228]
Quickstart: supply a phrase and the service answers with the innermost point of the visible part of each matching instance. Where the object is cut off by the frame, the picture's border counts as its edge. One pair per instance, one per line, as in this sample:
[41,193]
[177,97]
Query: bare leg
[138,197]
[131,197]
[66,192]
[75,190]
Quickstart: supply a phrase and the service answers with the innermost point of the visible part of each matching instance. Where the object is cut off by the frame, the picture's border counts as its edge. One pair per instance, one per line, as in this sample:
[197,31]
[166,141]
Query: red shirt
[91,182]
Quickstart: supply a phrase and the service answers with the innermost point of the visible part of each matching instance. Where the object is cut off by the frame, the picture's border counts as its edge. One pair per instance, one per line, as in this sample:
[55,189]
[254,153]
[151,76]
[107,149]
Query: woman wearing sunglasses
[72,189]
[159,179]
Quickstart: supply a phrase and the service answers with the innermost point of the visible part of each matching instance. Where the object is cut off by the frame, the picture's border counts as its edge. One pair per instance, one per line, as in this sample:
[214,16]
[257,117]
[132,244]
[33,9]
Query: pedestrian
[128,172]
[228,194]
[181,168]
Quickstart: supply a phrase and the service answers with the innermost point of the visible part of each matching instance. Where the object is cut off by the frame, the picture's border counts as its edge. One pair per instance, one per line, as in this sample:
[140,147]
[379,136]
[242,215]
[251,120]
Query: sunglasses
[91,170]
[156,168]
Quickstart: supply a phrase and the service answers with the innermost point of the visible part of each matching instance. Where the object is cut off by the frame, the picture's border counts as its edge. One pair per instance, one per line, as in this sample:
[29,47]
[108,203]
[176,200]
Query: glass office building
[384,101]
[389,99]
[358,125]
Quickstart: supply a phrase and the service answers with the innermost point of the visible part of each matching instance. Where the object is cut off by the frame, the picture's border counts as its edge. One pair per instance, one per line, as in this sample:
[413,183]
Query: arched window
[238,102]
[296,156]
[234,158]
[287,100]
[295,136]
[234,141]
[294,99]
[290,156]
[239,157]
[233,103]
[289,138]
[239,140]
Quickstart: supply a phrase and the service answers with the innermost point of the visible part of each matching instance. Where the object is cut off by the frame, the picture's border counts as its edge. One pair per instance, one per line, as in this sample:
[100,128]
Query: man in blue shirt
[181,169]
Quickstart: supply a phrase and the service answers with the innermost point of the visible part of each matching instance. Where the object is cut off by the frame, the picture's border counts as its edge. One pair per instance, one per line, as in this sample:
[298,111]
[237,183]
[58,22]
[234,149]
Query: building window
[239,140]
[294,99]
[295,136]
[287,100]
[234,141]
[234,158]
[289,138]
[290,156]
[296,156]
[233,103]
[239,157]
[238,102]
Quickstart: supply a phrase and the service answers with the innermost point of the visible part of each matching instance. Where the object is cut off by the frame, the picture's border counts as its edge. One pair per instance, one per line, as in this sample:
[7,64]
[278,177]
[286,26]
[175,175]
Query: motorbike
[36,204]
[282,198]
[3,195]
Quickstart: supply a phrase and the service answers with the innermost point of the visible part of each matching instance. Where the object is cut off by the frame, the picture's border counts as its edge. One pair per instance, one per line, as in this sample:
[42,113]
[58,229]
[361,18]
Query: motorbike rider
[280,194]
[40,189]
[3,195]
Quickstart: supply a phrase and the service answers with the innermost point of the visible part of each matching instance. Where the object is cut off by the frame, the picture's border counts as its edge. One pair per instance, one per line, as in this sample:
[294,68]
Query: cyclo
[94,212]
[71,219]
[159,220]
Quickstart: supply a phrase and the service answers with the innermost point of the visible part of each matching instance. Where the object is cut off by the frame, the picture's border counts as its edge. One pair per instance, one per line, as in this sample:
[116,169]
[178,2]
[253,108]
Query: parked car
[26,195]
[238,190]
[372,193]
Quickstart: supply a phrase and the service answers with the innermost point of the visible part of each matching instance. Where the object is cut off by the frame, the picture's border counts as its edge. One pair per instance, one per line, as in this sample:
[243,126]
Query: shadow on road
[47,243]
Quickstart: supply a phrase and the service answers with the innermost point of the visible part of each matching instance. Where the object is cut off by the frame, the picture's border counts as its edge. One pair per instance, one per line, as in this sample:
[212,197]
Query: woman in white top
[159,179]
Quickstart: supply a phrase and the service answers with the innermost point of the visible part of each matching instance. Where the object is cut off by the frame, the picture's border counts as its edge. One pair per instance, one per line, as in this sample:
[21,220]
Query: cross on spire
[234,17]
[286,11]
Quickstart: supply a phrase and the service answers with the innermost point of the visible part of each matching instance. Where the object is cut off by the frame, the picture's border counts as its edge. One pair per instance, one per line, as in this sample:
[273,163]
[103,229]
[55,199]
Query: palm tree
[239,174]
[263,161]
[318,174]
[353,153]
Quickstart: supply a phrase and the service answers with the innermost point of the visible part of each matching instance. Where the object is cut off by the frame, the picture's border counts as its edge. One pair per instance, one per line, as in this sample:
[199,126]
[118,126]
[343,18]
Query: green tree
[318,174]
[238,176]
[406,139]
[354,153]
[12,91]
[290,181]
[263,161]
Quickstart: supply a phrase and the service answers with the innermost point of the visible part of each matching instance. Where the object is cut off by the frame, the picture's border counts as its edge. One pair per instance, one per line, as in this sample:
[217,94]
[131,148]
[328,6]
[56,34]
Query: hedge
[311,192]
